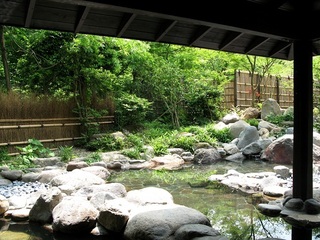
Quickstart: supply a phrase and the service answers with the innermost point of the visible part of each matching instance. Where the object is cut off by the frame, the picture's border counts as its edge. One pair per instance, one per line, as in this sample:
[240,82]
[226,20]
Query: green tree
[5,59]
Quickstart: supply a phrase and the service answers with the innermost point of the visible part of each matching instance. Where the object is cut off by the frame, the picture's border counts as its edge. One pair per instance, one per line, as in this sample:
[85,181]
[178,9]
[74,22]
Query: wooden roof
[256,27]
[283,29]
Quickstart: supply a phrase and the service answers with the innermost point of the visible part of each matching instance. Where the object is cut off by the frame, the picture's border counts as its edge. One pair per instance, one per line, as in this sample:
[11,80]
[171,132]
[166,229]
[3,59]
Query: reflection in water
[231,212]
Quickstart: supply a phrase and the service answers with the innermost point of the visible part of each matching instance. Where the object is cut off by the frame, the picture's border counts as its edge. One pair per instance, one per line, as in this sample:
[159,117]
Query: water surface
[231,212]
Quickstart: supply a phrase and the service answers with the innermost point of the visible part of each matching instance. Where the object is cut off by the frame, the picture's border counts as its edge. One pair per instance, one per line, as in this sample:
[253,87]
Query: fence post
[235,88]
[278,90]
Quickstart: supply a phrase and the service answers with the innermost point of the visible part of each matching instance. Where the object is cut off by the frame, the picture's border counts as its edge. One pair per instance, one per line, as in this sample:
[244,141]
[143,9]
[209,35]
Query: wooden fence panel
[52,132]
[239,92]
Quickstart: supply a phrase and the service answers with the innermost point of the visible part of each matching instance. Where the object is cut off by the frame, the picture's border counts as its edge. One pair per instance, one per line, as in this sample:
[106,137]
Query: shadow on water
[231,212]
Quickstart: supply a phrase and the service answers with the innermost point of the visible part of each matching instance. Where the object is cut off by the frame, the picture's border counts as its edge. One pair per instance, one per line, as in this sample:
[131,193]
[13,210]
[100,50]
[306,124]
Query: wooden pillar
[303,129]
[278,90]
[235,88]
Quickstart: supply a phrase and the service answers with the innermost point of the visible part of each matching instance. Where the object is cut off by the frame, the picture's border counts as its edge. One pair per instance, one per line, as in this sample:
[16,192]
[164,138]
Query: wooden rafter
[31,6]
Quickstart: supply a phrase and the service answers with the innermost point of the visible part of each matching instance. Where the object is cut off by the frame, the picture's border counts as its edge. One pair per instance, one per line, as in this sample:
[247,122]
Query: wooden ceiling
[255,27]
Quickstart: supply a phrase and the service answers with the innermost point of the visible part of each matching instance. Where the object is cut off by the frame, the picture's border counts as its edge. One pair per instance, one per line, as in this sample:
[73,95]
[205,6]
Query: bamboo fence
[52,132]
[238,93]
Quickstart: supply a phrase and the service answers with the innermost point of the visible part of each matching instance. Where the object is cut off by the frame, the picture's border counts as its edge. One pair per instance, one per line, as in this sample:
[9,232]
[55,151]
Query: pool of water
[233,213]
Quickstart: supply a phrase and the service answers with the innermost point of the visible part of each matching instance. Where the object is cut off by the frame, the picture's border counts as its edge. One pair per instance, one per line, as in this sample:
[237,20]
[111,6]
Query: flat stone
[295,204]
[269,209]
[312,206]
[300,219]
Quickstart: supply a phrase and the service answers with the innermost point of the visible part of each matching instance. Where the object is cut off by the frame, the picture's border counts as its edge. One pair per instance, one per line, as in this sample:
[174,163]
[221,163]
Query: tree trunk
[5,59]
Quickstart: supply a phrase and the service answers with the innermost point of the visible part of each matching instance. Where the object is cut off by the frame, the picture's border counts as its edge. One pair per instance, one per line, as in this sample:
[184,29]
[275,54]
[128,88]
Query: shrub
[131,110]
[4,155]
[94,157]
[66,153]
[279,119]
[106,143]
[34,149]
[253,122]
[222,135]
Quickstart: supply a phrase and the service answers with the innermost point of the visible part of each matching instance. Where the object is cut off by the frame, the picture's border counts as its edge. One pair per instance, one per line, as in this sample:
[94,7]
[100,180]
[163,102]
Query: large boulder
[237,127]
[4,204]
[280,151]
[42,209]
[162,221]
[74,215]
[270,107]
[76,179]
[206,156]
[116,189]
[149,196]
[249,135]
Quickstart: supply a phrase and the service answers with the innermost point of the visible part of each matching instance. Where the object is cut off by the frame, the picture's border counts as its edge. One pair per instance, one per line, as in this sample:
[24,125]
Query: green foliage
[132,153]
[106,143]
[4,155]
[222,135]
[131,109]
[33,150]
[94,157]
[134,146]
[203,101]
[133,140]
[181,85]
[154,129]
[209,134]
[185,142]
[253,122]
[66,153]
[160,144]
[6,159]
[280,119]
[89,118]
[160,137]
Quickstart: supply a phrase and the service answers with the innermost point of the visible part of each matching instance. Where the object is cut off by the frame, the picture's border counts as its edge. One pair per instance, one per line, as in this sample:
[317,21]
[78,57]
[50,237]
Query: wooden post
[235,88]
[303,129]
[278,90]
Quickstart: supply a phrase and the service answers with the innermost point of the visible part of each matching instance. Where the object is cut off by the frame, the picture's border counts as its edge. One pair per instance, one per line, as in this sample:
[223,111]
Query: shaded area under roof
[256,27]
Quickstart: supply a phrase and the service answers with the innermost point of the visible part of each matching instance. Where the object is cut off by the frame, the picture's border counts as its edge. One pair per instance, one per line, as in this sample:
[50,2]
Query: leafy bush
[222,135]
[4,155]
[131,110]
[253,122]
[34,149]
[160,137]
[279,119]
[160,145]
[133,153]
[66,153]
[185,142]
[106,143]
[94,157]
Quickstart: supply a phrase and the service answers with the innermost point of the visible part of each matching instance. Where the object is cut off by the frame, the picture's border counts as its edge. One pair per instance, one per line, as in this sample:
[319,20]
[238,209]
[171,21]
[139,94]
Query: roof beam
[31,6]
[256,42]
[229,38]
[278,47]
[84,14]
[275,4]
[315,52]
[201,31]
[165,28]
[290,52]
[125,23]
[204,14]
